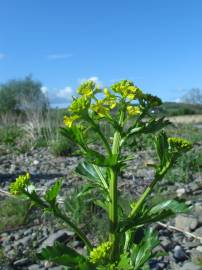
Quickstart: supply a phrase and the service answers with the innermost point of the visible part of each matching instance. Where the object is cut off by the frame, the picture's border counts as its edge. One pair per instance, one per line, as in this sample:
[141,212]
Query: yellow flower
[100,109]
[101,252]
[68,120]
[179,144]
[78,105]
[133,110]
[20,184]
[127,89]
[109,100]
[86,89]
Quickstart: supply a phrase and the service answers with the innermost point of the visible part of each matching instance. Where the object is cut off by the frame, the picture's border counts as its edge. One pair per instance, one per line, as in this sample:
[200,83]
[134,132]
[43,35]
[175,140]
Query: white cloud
[58,56]
[95,79]
[178,100]
[44,89]
[2,56]
[65,92]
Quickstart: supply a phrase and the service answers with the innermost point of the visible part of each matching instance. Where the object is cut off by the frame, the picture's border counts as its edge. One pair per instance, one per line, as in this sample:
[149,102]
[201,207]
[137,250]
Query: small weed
[9,135]
[13,212]
[62,147]
[186,167]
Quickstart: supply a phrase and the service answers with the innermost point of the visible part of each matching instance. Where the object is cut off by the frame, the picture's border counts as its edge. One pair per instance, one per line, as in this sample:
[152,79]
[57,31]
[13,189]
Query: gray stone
[179,254]
[190,266]
[34,267]
[60,236]
[199,248]
[198,232]
[166,243]
[186,223]
[180,192]
[25,241]
[21,262]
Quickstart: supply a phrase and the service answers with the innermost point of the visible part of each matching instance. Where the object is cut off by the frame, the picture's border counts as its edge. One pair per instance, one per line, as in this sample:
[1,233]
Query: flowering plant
[128,111]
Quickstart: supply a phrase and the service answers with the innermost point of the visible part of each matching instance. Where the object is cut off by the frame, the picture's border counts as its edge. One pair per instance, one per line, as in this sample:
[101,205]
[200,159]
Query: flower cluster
[20,184]
[101,252]
[87,102]
[79,104]
[100,109]
[127,89]
[87,89]
[68,120]
[133,110]
[179,144]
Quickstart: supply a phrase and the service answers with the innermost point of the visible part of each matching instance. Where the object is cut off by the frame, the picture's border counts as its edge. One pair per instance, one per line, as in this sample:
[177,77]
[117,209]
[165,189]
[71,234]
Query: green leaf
[156,213]
[86,190]
[161,143]
[51,194]
[124,262]
[98,159]
[103,205]
[155,125]
[142,253]
[97,175]
[64,255]
[75,135]
[88,171]
[175,206]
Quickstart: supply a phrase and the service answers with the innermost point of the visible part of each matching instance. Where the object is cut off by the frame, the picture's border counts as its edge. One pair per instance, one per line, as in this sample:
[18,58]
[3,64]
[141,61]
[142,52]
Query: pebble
[179,254]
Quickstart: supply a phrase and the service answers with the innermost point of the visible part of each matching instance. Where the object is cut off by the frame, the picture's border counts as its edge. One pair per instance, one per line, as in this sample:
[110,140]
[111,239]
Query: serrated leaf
[64,255]
[88,171]
[86,190]
[142,253]
[51,194]
[74,134]
[98,159]
[124,262]
[159,212]
[161,143]
[155,125]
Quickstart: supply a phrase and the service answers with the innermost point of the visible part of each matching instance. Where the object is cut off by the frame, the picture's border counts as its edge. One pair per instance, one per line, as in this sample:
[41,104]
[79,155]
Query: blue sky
[155,43]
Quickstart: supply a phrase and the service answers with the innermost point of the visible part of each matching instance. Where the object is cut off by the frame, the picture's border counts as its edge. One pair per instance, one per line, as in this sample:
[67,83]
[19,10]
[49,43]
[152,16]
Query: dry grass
[186,119]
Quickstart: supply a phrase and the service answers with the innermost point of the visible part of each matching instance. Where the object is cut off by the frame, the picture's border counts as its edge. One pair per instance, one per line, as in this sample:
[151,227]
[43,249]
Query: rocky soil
[20,245]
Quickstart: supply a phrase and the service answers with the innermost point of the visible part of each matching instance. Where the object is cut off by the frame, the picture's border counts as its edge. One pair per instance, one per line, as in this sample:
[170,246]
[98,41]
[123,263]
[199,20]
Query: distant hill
[174,108]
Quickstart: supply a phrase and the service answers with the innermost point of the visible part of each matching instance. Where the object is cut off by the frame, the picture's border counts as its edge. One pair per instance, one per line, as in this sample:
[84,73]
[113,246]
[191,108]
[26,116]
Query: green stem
[148,191]
[81,235]
[113,215]
[57,212]
[113,191]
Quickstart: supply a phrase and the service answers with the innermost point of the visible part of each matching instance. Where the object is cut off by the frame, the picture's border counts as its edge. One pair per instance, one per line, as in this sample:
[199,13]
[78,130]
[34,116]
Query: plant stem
[57,212]
[82,236]
[113,215]
[148,190]
[113,191]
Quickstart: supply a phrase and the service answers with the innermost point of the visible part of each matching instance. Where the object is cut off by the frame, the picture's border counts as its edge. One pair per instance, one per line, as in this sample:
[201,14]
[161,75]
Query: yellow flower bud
[101,252]
[20,184]
[179,144]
